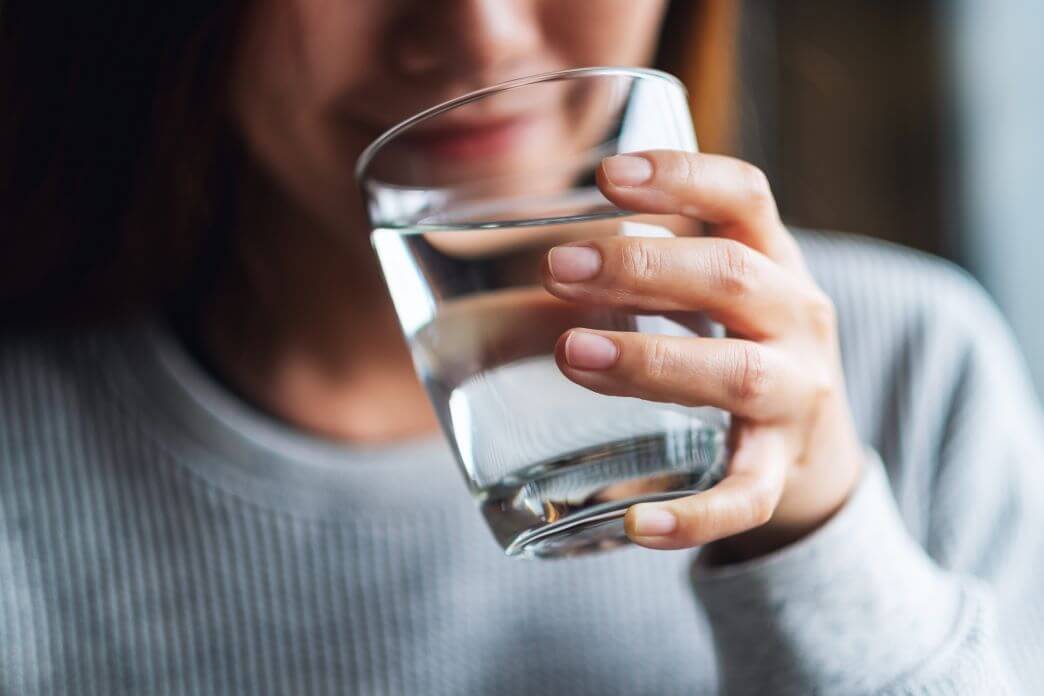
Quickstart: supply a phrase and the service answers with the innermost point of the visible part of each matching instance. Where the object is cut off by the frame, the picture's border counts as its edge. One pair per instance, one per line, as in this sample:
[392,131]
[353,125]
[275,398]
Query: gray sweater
[159,537]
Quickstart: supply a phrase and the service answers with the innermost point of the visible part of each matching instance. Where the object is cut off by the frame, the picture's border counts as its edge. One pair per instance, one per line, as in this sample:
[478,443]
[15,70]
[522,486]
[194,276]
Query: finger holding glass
[795,455]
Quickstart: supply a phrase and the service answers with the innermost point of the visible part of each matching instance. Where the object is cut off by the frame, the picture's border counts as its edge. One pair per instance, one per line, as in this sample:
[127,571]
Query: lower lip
[473,143]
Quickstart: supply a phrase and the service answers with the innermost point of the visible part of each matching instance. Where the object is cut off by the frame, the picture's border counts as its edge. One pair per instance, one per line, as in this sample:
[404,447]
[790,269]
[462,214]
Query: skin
[315,80]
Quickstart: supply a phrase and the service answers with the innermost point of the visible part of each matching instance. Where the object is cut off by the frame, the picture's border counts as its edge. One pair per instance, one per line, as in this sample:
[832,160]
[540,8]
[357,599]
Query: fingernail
[652,521]
[588,351]
[570,264]
[627,170]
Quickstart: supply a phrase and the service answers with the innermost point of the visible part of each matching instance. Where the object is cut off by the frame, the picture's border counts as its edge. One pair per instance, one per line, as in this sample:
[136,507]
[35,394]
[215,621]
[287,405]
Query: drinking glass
[465,199]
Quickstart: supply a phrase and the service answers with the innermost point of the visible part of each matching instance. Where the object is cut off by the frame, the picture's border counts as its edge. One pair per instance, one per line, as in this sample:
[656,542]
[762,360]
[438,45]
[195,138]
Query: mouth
[470,140]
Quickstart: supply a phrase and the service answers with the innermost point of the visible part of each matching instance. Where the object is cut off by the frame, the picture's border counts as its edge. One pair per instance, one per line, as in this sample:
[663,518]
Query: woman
[229,480]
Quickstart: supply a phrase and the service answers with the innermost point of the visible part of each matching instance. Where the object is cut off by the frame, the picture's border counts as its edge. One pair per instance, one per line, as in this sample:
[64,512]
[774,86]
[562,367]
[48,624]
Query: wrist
[862,572]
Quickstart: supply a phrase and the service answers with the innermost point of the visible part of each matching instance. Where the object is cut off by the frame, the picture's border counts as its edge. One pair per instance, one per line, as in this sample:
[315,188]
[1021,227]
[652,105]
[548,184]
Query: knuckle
[699,515]
[822,315]
[762,507]
[755,184]
[689,168]
[821,385]
[639,262]
[750,377]
[732,269]
[658,359]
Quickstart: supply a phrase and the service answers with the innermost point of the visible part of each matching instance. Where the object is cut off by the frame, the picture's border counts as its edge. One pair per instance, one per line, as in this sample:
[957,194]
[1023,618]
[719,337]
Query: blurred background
[917,121]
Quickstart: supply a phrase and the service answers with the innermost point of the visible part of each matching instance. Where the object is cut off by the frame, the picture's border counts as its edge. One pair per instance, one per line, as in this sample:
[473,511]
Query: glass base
[587,532]
[575,504]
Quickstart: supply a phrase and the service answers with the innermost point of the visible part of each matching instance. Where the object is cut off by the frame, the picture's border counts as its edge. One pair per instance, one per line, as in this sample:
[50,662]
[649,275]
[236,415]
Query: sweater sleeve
[855,608]
[864,605]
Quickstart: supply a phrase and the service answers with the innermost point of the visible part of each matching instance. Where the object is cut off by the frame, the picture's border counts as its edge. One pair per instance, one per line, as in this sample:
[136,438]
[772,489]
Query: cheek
[603,32]
[294,60]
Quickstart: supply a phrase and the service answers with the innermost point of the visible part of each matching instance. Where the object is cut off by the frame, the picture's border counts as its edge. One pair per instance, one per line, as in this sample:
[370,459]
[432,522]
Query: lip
[470,140]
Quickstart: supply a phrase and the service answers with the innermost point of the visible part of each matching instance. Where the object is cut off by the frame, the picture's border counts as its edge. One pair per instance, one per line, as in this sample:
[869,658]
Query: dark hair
[110,119]
[117,168]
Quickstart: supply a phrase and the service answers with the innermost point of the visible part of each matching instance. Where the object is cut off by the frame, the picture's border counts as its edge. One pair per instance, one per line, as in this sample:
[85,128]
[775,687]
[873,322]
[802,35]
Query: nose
[476,40]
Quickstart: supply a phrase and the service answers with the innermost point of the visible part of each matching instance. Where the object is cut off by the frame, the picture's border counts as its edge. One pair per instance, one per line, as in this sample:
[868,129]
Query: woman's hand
[796,456]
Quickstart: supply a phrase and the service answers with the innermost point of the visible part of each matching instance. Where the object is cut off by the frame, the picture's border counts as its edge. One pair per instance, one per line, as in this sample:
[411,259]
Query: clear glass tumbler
[465,199]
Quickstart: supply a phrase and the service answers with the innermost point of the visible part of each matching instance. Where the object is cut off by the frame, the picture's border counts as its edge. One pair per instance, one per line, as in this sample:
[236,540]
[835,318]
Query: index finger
[731,193]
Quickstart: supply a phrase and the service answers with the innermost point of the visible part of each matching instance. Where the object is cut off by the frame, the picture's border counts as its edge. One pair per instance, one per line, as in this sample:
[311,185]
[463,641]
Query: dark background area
[841,104]
[915,121]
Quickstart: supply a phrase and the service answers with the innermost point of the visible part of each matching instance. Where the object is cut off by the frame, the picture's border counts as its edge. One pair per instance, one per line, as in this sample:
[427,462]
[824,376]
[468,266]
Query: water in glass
[553,465]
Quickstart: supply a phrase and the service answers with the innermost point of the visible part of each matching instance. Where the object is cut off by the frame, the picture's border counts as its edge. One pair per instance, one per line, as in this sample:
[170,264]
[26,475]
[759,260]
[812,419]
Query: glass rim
[371,150]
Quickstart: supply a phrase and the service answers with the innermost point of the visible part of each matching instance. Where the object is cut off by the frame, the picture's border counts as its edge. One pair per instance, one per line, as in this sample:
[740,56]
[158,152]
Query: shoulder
[932,370]
[50,381]
[35,363]
[894,285]
[917,309]
[56,428]
[903,302]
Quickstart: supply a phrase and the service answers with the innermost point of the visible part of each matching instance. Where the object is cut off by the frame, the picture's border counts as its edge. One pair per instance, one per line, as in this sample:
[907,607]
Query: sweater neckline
[237,447]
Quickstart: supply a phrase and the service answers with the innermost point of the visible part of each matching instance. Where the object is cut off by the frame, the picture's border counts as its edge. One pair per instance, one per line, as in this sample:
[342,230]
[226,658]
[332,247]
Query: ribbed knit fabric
[159,537]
